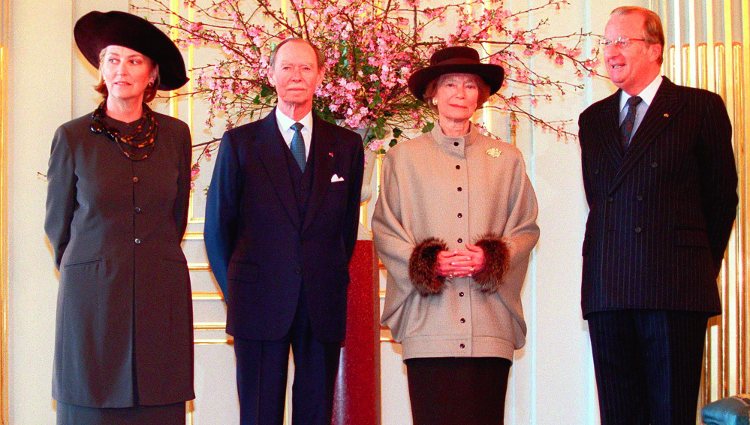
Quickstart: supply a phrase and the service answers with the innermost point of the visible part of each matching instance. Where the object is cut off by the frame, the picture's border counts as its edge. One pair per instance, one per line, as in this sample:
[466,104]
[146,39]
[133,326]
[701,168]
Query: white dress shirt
[285,124]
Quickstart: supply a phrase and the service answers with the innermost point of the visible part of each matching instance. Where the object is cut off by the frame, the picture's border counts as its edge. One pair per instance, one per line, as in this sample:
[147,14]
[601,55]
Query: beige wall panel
[40,99]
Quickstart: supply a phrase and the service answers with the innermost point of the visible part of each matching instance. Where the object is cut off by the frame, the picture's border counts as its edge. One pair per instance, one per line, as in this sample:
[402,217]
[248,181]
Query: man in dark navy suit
[281,222]
[661,184]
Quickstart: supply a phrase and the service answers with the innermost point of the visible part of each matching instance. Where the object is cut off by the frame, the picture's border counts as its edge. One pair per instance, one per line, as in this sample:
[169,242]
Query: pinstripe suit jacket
[661,211]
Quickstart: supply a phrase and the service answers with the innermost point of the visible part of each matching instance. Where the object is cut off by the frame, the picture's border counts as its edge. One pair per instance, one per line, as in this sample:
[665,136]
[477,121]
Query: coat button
[298,270]
[460,240]
[462,320]
[459,189]
[138,210]
[638,230]
[455,143]
[135,179]
[138,241]
[460,294]
[458,167]
[639,197]
[462,346]
[460,215]
[596,171]
[610,199]
[654,164]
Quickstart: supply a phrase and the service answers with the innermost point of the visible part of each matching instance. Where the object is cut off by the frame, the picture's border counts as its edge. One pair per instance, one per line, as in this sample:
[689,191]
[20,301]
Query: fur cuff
[422,266]
[496,262]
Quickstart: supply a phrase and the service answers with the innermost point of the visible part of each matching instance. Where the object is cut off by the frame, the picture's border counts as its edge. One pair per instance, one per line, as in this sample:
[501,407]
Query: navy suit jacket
[661,211]
[262,254]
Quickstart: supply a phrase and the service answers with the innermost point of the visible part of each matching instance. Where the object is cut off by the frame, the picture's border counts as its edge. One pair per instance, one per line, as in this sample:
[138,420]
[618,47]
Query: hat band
[458,61]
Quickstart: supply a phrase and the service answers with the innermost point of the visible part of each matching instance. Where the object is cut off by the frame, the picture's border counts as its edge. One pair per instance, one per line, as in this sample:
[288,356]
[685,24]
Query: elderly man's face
[635,65]
[296,75]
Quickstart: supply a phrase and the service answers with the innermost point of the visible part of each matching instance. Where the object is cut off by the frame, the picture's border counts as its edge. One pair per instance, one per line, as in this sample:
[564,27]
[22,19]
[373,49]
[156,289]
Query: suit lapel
[322,142]
[659,115]
[611,130]
[271,152]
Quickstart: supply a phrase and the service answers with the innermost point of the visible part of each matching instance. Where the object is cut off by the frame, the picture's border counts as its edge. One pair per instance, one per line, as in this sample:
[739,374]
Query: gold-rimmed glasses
[620,42]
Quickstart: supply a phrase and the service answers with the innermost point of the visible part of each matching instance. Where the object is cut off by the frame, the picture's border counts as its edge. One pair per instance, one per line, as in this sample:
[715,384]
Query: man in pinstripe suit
[661,184]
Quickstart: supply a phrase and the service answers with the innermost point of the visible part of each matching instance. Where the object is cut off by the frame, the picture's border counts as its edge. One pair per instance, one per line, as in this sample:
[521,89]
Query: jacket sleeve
[183,179]
[222,209]
[352,207]
[61,194]
[521,232]
[393,242]
[718,176]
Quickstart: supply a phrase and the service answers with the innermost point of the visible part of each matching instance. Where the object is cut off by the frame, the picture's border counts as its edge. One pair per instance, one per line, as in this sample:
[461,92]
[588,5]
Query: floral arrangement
[371,47]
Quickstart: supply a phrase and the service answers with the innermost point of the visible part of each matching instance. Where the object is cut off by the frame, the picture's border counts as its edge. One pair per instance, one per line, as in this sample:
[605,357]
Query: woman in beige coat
[455,224]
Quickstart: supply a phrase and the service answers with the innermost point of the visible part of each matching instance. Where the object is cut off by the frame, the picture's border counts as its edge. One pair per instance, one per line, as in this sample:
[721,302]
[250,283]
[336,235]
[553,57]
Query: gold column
[743,295]
[4,22]
[718,63]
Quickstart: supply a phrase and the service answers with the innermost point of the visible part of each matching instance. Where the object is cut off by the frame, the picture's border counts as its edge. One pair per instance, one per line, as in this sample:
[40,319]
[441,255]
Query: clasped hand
[460,263]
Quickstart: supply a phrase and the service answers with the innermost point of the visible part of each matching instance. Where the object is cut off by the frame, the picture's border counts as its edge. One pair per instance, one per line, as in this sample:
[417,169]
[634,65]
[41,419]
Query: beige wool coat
[459,190]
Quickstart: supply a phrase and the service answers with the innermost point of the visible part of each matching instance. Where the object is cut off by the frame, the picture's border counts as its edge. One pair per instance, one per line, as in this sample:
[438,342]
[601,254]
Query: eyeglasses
[620,42]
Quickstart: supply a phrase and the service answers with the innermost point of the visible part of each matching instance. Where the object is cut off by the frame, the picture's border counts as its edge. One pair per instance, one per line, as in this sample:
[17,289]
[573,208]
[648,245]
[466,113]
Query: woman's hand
[460,263]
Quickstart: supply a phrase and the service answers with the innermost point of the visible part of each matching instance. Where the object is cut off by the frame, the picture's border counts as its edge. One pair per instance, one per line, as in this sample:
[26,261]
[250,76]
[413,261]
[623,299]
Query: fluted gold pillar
[3,215]
[708,46]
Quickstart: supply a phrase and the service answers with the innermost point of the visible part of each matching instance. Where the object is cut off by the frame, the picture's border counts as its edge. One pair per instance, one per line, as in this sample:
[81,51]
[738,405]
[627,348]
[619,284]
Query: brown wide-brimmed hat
[456,59]
[97,30]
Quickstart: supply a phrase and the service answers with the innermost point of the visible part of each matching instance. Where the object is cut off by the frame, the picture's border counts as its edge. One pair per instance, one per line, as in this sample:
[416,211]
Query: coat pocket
[337,186]
[243,272]
[82,263]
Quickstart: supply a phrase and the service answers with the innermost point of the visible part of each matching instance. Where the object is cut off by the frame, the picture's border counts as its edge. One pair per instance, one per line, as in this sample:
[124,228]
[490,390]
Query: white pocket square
[336,178]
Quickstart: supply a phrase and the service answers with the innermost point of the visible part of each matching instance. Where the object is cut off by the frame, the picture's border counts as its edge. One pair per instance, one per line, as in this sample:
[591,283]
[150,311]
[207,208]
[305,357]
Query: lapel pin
[494,152]
[330,154]
[666,115]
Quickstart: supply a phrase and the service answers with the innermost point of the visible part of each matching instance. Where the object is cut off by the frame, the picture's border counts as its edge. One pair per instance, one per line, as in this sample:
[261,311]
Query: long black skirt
[168,414]
[458,390]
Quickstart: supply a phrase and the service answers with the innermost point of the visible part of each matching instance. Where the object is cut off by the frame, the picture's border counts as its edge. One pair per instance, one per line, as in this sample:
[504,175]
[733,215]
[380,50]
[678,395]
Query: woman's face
[456,96]
[126,73]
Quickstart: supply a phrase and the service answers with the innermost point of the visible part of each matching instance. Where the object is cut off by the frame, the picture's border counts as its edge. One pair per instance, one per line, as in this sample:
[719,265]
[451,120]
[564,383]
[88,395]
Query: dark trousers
[458,390]
[647,365]
[262,375]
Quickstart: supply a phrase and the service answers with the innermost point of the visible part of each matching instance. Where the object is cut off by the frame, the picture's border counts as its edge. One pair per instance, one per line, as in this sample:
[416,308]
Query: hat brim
[97,30]
[491,74]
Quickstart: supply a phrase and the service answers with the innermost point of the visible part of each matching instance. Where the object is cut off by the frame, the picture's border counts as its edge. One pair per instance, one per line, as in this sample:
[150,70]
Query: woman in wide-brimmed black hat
[117,203]
[455,224]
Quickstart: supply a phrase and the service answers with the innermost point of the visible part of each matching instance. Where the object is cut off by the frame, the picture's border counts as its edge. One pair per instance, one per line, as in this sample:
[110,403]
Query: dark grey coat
[124,313]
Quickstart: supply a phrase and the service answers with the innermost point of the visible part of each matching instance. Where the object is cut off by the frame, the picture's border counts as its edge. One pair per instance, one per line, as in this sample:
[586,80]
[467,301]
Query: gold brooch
[666,115]
[494,152]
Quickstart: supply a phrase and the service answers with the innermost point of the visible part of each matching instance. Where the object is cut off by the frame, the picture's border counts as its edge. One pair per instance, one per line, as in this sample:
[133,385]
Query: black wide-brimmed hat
[456,59]
[97,30]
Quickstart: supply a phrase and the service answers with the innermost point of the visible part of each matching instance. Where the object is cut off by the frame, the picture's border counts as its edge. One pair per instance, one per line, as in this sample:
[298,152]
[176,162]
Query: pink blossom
[376,144]
[370,53]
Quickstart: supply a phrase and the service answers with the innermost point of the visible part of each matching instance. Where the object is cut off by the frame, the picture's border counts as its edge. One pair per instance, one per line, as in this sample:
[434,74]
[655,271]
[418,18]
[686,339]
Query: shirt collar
[286,122]
[647,95]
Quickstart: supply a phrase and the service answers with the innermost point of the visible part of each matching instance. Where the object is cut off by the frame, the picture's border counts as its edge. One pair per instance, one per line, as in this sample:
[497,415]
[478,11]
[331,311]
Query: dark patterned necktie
[298,146]
[626,128]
